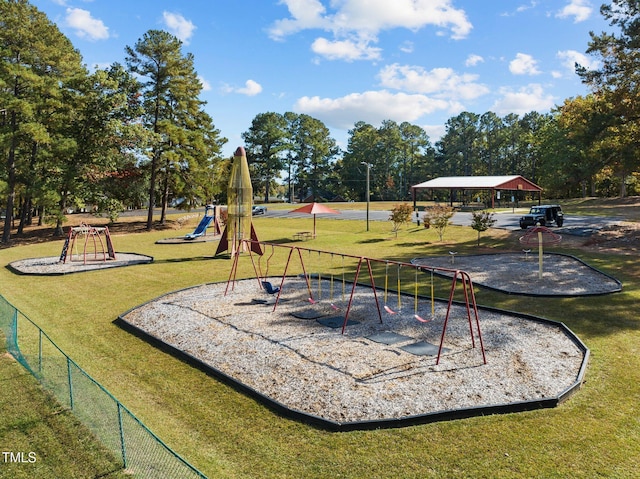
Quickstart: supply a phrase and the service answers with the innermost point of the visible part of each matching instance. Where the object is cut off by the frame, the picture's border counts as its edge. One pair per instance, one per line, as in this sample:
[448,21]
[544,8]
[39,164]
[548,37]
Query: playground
[363,343]
[205,420]
[210,219]
[86,248]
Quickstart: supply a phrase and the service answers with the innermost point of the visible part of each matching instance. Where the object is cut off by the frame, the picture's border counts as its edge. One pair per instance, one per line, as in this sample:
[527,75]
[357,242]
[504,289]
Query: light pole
[368,165]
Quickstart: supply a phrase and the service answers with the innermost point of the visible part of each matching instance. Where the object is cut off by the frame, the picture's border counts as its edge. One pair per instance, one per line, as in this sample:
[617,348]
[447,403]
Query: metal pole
[368,165]
[123,446]
[69,382]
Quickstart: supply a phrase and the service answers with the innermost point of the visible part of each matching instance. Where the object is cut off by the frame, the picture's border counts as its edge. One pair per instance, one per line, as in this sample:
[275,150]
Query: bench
[302,235]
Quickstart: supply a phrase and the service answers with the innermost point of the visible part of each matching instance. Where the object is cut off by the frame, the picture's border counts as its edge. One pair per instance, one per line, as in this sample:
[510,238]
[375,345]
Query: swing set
[361,262]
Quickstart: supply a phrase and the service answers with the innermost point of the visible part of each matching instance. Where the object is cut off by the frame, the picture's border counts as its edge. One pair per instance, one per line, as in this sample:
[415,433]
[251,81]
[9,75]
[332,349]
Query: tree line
[137,134]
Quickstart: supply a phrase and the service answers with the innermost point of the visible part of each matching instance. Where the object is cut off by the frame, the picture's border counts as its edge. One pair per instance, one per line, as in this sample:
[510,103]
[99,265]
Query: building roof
[510,182]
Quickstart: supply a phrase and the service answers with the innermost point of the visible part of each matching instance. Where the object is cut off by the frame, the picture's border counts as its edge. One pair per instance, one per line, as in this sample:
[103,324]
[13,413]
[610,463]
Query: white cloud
[524,64]
[365,19]
[206,86]
[344,50]
[435,132]
[421,92]
[407,47]
[520,9]
[528,98]
[473,60]
[250,88]
[179,26]
[524,8]
[580,10]
[306,14]
[371,106]
[569,58]
[86,26]
[441,82]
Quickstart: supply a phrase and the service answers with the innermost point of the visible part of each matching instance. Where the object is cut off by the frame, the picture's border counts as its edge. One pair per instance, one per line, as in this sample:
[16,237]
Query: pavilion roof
[506,182]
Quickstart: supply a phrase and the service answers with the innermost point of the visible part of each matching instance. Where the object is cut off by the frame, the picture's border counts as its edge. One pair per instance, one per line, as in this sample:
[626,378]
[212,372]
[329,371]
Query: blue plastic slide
[206,220]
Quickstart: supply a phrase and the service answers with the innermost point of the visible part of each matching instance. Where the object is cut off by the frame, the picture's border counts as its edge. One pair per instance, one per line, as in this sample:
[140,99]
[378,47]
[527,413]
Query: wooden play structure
[95,242]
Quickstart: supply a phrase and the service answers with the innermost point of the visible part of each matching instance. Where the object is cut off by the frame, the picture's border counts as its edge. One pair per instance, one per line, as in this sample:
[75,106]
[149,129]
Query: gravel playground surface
[519,273]
[290,358]
[377,374]
[53,266]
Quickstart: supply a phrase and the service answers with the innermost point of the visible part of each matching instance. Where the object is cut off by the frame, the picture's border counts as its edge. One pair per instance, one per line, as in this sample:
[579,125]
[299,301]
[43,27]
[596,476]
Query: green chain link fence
[141,452]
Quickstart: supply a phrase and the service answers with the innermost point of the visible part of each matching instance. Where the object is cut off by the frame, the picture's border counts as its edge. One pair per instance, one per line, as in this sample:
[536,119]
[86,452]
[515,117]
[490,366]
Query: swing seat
[269,288]
[313,301]
[422,320]
[389,310]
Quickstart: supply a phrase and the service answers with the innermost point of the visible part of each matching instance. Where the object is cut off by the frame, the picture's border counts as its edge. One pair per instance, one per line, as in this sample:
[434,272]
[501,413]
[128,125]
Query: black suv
[542,215]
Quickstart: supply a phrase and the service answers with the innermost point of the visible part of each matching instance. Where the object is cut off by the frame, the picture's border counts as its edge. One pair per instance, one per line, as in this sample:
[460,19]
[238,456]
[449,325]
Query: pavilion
[510,183]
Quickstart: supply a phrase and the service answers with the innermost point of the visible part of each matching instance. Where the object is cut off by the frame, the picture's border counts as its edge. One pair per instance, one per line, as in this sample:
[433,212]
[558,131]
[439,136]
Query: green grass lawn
[596,433]
[46,439]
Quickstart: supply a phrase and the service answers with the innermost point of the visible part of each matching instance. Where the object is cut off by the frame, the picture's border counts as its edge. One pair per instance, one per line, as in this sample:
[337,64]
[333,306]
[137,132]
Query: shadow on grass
[282,241]
[411,244]
[192,258]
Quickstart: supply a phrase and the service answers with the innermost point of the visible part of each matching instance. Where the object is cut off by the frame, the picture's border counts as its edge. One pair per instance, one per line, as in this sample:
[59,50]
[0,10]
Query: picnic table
[303,235]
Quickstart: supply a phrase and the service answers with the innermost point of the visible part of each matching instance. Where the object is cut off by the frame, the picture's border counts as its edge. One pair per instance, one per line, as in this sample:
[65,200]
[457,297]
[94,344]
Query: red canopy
[314,209]
[547,236]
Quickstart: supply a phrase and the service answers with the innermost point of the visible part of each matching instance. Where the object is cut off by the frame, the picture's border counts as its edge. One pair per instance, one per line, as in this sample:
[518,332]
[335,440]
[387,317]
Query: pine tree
[37,63]
[266,140]
[184,138]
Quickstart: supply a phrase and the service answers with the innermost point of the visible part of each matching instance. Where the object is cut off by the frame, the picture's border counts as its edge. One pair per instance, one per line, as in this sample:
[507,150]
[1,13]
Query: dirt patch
[623,238]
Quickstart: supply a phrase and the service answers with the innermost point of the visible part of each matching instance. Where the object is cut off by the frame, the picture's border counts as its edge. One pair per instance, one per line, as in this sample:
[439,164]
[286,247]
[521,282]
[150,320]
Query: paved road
[578,225]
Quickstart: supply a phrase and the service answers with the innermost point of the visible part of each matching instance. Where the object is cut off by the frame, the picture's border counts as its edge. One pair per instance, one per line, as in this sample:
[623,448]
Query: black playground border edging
[15,270]
[335,426]
[425,268]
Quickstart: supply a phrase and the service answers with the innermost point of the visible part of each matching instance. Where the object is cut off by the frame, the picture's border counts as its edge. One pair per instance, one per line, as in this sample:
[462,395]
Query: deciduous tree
[481,221]
[400,216]
[616,83]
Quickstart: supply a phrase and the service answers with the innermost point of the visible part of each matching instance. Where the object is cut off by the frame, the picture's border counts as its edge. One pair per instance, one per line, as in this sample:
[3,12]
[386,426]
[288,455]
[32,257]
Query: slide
[204,224]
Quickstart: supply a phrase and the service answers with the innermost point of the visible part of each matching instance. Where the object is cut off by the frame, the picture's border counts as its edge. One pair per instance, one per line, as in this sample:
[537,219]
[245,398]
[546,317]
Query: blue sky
[342,61]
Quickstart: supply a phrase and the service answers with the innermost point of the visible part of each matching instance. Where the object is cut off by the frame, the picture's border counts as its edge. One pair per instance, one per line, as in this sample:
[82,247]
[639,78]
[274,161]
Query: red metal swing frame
[457,275]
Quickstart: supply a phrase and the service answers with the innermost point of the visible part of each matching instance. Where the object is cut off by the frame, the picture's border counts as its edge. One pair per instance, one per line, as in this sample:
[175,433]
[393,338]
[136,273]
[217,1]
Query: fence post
[70,382]
[14,331]
[40,350]
[123,446]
